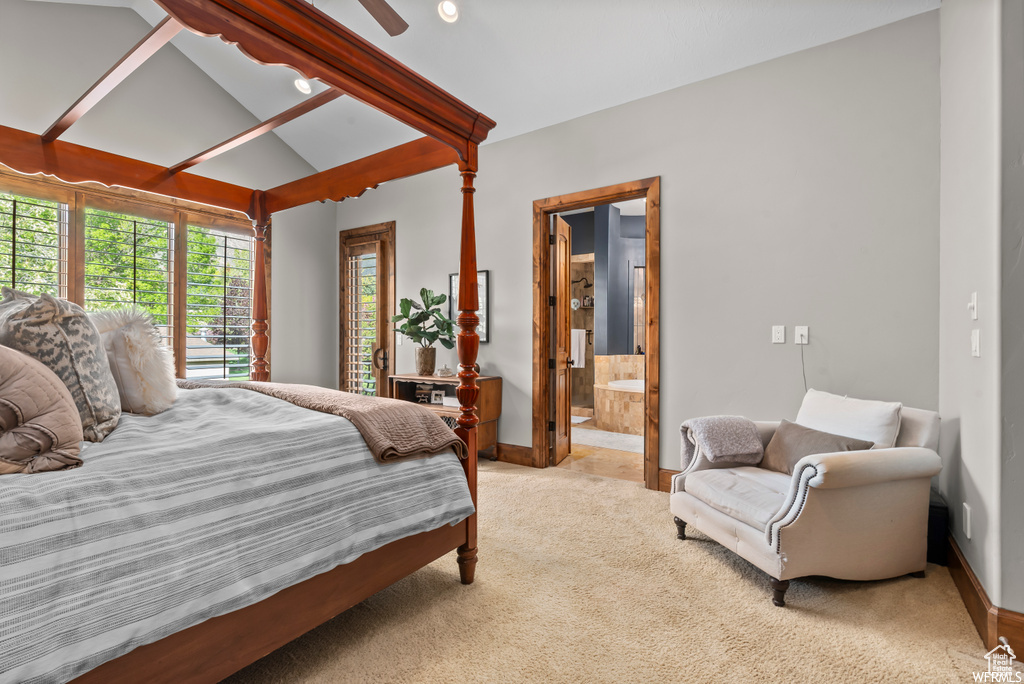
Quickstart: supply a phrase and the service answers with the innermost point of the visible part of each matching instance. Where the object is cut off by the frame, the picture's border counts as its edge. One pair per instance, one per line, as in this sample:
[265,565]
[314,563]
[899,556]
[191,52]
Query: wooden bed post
[260,326]
[468,344]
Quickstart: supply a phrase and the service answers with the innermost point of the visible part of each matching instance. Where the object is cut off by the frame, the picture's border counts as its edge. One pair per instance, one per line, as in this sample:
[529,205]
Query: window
[128,260]
[219,304]
[101,250]
[32,239]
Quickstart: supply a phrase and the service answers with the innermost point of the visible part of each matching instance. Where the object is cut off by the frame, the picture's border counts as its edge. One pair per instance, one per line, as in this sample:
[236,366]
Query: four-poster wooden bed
[293,33]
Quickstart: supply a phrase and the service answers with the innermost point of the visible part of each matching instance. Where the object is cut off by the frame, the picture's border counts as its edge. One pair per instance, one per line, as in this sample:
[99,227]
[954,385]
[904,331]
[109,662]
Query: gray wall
[801,191]
[1012,309]
[968,262]
[73,45]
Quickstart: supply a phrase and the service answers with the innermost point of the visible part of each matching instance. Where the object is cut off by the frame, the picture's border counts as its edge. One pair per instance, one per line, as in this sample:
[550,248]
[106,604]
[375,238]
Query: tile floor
[621,465]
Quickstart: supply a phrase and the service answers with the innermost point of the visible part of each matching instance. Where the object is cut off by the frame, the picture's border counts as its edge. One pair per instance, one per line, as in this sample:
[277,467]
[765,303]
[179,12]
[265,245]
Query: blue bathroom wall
[617,243]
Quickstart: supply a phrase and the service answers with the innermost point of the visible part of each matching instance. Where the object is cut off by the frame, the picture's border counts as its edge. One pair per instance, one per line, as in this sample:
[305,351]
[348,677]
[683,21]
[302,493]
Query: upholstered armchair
[855,515]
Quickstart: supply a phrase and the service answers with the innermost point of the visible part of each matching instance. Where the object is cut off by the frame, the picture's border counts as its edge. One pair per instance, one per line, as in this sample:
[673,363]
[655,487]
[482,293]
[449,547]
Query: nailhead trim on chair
[804,489]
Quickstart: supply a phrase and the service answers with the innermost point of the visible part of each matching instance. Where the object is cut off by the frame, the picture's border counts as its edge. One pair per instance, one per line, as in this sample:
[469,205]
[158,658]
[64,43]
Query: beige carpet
[582,579]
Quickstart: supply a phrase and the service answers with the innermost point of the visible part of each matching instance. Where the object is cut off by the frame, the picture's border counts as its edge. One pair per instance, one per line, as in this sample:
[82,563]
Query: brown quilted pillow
[39,424]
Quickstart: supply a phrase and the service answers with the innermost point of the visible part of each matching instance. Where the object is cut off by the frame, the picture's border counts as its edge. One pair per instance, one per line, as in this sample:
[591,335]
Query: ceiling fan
[386,16]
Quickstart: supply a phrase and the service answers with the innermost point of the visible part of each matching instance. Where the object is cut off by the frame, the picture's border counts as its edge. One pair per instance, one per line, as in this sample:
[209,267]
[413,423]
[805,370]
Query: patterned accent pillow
[60,334]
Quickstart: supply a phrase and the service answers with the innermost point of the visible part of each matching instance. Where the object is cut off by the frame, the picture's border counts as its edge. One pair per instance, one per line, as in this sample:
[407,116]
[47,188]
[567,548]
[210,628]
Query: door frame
[649,189]
[385,233]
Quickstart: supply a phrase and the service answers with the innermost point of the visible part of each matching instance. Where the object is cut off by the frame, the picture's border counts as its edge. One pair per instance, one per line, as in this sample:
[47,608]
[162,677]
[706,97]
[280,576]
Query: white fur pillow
[142,365]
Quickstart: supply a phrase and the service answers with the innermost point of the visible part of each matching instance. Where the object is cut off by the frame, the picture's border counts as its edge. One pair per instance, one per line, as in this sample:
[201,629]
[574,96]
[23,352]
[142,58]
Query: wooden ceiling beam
[295,33]
[354,178]
[259,129]
[28,153]
[136,57]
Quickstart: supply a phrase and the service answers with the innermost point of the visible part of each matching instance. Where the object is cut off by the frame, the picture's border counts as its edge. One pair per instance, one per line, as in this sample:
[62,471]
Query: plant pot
[425,358]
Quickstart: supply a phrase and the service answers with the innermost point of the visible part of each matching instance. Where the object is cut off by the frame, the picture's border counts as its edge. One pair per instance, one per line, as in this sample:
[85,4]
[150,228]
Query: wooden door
[563,358]
[367,268]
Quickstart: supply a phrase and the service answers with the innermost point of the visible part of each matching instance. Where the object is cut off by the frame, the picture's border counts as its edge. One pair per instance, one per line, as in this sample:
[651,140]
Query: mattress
[213,505]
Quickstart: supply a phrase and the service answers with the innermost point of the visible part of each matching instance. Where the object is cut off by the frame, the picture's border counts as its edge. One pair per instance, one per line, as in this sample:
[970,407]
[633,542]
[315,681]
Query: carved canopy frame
[295,34]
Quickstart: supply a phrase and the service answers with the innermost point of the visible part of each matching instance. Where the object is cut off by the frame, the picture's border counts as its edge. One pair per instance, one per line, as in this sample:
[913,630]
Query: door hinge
[551,239]
[551,426]
[551,364]
[551,300]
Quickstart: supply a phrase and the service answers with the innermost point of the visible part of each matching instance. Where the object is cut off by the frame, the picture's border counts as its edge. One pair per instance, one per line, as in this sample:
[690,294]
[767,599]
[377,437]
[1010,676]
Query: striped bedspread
[213,505]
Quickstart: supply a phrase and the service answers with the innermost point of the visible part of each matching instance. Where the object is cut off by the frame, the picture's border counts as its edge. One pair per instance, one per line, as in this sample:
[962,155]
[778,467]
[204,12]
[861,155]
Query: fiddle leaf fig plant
[424,322]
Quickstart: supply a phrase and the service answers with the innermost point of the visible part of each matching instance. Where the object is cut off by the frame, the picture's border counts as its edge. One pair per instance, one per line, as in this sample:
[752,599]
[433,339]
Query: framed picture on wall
[483,285]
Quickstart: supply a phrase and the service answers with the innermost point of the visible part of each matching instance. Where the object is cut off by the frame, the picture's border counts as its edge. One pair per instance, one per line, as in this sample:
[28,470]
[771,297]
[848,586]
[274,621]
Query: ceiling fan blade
[385,16]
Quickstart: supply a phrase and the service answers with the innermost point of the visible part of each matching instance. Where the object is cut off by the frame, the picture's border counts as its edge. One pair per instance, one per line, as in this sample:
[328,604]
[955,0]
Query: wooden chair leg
[779,588]
[680,527]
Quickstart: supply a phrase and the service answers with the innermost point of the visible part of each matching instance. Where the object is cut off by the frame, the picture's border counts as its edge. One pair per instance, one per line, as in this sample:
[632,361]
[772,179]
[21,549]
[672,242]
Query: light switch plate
[801,334]
[975,342]
[778,334]
[972,306]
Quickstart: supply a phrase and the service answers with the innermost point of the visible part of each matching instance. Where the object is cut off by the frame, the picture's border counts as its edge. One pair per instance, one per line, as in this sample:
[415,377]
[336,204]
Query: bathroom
[607,340]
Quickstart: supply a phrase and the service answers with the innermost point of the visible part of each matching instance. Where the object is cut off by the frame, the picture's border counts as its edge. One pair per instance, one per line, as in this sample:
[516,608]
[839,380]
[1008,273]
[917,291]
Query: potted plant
[424,323]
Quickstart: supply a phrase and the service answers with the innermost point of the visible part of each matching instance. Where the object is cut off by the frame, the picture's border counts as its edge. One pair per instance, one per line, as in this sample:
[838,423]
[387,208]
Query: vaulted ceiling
[527,64]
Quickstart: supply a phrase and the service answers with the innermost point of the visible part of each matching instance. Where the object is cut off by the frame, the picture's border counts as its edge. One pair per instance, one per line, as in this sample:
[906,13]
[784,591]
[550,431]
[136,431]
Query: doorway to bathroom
[596,354]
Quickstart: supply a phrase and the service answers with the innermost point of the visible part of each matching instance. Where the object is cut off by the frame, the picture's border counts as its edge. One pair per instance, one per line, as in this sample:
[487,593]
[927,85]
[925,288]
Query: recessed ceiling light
[302,85]
[448,11]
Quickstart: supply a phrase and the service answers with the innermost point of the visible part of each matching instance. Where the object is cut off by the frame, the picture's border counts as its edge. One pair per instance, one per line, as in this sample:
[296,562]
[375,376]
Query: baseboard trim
[991,621]
[665,479]
[513,453]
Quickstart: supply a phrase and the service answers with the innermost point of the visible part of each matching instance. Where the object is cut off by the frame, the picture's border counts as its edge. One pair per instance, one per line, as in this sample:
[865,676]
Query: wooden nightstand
[488,405]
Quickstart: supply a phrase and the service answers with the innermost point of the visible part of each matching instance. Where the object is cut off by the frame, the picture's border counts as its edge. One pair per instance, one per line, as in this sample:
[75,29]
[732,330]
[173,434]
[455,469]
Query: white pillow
[875,421]
[142,365]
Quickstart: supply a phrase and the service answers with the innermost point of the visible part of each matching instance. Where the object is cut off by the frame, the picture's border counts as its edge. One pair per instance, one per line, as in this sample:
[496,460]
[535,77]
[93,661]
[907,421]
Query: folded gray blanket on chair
[721,438]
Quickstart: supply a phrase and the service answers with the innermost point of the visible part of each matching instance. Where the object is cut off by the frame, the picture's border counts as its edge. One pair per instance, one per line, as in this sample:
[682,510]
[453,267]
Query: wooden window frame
[180,213]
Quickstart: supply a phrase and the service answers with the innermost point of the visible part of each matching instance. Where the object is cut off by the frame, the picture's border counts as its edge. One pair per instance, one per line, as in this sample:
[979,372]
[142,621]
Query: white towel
[578,348]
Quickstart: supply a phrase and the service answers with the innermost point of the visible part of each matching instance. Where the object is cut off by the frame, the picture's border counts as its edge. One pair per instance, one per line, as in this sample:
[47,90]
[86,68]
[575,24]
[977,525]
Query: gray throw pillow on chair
[791,442]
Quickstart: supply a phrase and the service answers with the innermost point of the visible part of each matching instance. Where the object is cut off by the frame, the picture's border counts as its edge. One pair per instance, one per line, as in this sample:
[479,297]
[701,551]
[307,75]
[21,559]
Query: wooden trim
[296,34]
[198,654]
[127,205]
[259,129]
[180,290]
[991,621]
[650,189]
[652,350]
[355,178]
[513,453]
[28,154]
[76,249]
[57,188]
[136,57]
[665,479]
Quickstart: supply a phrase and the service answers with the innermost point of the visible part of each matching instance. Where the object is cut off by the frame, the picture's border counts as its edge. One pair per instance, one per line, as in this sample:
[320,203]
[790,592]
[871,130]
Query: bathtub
[619,406]
[632,384]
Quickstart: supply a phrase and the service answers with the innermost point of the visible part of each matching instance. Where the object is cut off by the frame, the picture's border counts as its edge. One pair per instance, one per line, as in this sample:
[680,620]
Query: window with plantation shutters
[218,304]
[367,340]
[129,260]
[190,268]
[33,239]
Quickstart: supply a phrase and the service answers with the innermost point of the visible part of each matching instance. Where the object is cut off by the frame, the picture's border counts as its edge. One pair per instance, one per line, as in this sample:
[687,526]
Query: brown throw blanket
[393,429]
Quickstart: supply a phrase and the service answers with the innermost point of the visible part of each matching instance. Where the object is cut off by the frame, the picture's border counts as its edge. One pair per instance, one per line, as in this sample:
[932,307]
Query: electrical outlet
[801,334]
[778,334]
[399,339]
[967,521]
[976,342]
